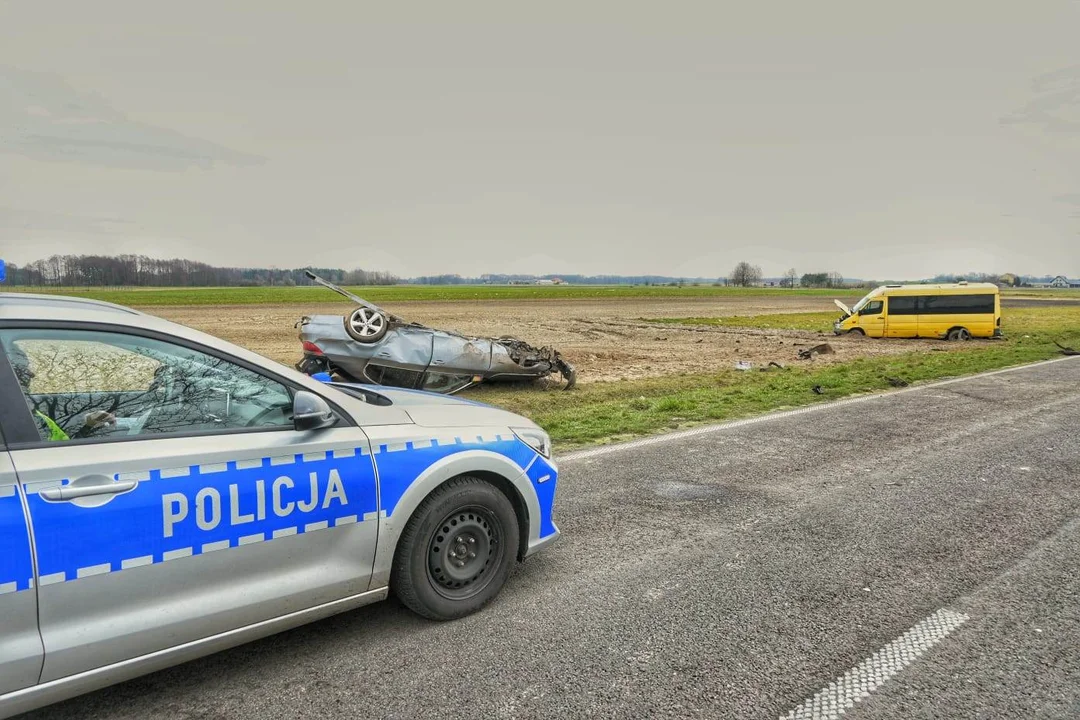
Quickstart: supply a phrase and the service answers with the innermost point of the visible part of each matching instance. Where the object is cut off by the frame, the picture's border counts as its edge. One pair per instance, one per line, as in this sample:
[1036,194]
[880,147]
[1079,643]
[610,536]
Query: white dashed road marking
[866,677]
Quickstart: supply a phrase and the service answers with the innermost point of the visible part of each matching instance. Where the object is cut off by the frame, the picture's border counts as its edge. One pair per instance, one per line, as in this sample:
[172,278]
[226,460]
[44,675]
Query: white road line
[284,532]
[94,570]
[177,554]
[707,429]
[215,546]
[136,562]
[866,677]
[310,527]
[252,539]
[6,588]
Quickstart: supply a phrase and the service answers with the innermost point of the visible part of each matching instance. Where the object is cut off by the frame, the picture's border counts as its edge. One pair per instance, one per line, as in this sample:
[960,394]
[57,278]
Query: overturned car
[371,345]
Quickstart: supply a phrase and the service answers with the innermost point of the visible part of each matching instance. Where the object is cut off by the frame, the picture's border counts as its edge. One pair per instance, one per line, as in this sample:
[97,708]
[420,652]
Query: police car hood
[434,410]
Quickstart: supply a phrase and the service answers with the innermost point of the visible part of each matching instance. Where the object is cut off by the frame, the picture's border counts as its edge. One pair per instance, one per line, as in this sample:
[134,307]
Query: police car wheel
[457,550]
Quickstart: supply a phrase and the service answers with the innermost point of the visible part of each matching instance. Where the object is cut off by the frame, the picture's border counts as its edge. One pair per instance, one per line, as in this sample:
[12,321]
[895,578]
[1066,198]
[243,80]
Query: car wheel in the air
[366,325]
[456,551]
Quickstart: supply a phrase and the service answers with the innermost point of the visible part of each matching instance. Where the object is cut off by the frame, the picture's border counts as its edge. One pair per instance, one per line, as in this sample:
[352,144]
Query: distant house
[1063,282]
[545,281]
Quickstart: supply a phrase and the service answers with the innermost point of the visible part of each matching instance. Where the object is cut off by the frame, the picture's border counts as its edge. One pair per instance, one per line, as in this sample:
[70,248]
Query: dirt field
[605,339]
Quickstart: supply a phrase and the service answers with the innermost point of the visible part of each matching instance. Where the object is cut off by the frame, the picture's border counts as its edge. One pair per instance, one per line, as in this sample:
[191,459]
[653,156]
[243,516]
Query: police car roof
[62,308]
[31,306]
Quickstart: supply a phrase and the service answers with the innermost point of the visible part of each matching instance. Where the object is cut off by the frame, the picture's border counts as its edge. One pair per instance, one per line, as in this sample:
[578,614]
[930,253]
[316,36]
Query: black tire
[959,334]
[857,331]
[366,325]
[467,521]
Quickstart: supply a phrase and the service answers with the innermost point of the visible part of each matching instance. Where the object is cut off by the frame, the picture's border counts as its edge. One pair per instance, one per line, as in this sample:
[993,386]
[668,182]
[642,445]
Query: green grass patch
[155,297]
[606,412]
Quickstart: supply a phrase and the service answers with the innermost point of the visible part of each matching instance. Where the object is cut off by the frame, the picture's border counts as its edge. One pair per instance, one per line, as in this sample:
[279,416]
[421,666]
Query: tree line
[142,271]
[746,275]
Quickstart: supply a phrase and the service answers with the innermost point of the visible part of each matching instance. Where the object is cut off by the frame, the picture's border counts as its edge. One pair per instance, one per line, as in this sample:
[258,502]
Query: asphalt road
[734,573]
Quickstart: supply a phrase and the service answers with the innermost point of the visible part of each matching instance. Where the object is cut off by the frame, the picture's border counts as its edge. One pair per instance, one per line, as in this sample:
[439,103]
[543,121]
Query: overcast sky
[881,140]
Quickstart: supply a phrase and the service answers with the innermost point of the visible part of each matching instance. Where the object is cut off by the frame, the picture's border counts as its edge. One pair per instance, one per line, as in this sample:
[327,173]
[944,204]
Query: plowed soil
[605,339]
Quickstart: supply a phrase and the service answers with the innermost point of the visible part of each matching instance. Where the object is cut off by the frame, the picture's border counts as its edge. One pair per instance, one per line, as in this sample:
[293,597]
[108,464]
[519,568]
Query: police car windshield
[369,396]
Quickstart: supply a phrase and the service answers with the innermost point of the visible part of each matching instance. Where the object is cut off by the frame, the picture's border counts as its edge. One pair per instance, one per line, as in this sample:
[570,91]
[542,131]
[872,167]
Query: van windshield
[859,305]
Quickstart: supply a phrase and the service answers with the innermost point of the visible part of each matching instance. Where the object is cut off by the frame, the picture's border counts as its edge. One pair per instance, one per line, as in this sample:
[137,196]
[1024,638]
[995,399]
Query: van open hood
[842,306]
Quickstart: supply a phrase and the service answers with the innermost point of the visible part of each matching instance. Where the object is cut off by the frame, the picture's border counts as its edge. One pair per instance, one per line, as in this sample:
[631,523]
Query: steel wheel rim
[463,552]
[365,322]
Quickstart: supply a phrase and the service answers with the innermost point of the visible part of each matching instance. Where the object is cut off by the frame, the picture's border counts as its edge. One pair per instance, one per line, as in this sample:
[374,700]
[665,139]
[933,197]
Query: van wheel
[457,550]
[857,331]
[959,334]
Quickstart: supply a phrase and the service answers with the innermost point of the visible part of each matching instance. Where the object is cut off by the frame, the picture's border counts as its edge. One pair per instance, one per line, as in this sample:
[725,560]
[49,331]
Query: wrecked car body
[371,345]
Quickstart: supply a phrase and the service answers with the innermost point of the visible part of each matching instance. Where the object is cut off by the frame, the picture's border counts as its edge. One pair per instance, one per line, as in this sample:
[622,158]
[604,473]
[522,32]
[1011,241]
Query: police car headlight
[537,439]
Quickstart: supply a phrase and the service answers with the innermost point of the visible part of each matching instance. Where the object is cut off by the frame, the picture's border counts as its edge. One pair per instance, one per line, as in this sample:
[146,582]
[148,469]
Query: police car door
[20,644]
[192,507]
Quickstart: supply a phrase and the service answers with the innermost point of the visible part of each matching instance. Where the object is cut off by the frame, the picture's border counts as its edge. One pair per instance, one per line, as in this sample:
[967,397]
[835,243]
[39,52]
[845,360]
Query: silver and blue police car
[164,495]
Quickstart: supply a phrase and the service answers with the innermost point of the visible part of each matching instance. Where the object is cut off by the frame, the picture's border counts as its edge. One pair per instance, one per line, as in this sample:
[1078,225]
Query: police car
[164,495]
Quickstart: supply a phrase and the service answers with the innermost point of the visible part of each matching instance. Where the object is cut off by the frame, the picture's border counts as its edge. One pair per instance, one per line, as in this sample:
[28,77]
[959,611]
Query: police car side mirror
[310,412]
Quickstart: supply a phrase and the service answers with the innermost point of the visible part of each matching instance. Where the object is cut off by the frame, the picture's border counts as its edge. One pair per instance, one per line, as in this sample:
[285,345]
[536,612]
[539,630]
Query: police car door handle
[108,486]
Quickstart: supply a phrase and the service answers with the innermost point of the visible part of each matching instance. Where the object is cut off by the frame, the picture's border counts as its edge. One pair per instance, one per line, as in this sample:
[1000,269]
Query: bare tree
[790,278]
[745,274]
[836,280]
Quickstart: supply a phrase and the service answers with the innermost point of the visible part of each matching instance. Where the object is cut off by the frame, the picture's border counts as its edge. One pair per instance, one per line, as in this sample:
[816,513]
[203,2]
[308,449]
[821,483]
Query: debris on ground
[744,365]
[817,390]
[773,364]
[897,382]
[1067,350]
[822,349]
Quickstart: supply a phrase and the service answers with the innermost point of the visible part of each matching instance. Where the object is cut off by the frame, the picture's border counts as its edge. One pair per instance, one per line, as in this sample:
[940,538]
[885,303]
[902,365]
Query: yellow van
[958,311]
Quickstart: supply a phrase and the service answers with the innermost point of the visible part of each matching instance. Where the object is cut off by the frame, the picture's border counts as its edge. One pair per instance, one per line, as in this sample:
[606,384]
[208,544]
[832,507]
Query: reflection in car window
[873,308]
[398,377]
[95,384]
[446,383]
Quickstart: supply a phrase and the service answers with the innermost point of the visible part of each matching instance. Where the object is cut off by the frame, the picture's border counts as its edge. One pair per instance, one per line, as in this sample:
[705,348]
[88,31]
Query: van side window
[902,305]
[873,308]
[957,304]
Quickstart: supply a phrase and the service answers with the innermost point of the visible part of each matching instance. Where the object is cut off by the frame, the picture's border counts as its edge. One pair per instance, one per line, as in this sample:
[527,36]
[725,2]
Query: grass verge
[597,413]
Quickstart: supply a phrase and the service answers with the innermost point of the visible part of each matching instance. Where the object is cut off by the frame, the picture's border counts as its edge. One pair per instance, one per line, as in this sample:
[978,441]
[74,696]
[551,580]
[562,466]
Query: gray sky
[875,139]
